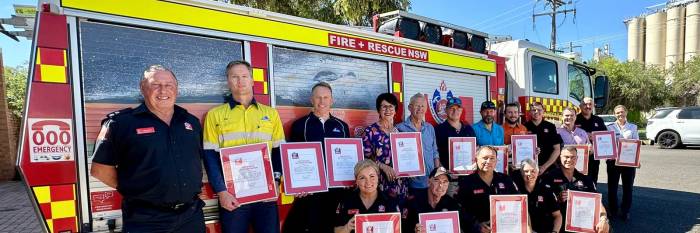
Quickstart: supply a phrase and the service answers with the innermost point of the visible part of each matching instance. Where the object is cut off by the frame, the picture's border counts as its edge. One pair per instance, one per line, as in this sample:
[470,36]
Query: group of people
[152,155]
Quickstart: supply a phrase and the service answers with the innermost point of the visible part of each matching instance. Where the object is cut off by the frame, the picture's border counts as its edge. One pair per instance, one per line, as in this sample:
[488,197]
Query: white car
[674,127]
[608,119]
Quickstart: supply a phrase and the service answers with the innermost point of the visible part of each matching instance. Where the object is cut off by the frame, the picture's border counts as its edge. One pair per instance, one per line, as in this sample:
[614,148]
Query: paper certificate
[248,172]
[378,223]
[628,155]
[440,222]
[509,213]
[604,146]
[341,156]
[524,147]
[462,154]
[407,154]
[303,167]
[502,159]
[582,158]
[582,212]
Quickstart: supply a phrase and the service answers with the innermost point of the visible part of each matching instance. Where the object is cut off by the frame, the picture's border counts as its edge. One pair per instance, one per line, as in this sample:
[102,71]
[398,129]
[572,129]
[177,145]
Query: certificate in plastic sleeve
[582,158]
[378,223]
[462,155]
[509,213]
[502,159]
[341,156]
[407,154]
[582,211]
[604,145]
[248,172]
[440,222]
[524,147]
[628,153]
[303,167]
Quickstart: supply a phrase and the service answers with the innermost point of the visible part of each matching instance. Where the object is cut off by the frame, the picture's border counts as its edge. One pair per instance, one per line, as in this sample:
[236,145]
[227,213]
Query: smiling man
[152,156]
[315,213]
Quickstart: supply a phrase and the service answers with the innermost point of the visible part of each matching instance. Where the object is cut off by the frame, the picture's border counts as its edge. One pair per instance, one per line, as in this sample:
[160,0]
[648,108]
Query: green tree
[349,12]
[16,87]
[632,84]
[685,85]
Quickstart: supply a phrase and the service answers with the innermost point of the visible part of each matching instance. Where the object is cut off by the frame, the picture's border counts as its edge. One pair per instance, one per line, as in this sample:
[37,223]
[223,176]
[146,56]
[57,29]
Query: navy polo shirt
[443,132]
[541,203]
[595,123]
[547,137]
[310,129]
[353,205]
[559,184]
[156,162]
[474,193]
[416,206]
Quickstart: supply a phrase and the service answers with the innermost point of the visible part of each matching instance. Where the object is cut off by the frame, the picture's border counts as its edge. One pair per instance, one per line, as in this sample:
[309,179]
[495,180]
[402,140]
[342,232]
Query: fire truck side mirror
[602,89]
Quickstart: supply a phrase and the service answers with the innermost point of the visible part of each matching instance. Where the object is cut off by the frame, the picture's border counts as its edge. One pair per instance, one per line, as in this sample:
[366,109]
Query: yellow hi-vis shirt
[230,124]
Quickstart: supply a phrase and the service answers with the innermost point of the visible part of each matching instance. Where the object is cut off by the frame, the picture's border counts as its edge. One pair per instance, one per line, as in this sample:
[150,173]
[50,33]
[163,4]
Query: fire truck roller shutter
[438,85]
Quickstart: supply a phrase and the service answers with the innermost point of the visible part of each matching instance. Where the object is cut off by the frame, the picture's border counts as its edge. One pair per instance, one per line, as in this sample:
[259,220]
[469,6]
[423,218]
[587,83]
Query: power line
[554,4]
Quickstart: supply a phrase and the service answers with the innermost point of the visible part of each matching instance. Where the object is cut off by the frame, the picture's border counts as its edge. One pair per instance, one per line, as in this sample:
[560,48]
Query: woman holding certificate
[365,200]
[542,202]
[475,189]
[377,146]
[623,130]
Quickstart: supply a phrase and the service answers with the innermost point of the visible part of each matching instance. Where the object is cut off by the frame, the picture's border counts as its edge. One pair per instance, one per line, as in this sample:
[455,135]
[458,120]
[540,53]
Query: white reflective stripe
[244,135]
[277,143]
[210,146]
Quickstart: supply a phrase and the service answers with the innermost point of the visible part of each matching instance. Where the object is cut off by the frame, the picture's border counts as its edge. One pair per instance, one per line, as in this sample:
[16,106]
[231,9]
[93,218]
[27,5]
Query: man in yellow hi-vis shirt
[240,121]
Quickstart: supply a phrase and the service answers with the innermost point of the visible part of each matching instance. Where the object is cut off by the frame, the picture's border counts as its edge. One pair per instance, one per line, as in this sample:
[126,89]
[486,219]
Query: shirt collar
[233,103]
[313,116]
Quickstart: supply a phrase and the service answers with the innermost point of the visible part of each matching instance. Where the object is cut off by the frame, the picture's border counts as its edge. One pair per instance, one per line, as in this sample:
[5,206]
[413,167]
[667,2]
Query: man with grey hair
[590,123]
[418,186]
[152,155]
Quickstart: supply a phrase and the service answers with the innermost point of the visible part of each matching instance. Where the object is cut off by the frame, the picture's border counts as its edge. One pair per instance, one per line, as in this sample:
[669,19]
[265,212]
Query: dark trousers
[314,213]
[142,218]
[614,174]
[593,168]
[262,215]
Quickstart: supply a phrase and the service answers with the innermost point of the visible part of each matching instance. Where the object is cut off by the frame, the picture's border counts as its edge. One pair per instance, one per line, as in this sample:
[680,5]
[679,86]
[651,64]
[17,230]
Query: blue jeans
[139,218]
[262,215]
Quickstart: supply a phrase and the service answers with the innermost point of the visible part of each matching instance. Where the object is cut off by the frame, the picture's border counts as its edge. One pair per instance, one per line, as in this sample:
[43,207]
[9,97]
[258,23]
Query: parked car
[608,119]
[674,127]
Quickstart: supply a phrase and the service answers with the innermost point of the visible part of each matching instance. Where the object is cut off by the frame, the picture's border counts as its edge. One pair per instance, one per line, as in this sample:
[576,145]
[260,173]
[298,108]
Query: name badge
[353,211]
[478,191]
[145,130]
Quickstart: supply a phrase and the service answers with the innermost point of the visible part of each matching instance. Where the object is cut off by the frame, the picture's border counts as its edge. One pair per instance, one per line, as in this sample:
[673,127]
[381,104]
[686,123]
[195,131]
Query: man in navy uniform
[316,212]
[152,155]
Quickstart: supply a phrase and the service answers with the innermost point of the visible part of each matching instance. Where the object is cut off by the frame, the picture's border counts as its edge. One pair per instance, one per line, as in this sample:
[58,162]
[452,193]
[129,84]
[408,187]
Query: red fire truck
[88,56]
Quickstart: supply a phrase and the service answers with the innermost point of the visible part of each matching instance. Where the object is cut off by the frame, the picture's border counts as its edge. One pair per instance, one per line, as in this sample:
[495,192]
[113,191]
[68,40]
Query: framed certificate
[462,155]
[582,211]
[582,158]
[303,167]
[440,222]
[341,156]
[502,159]
[248,172]
[509,213]
[407,154]
[524,147]
[604,146]
[378,223]
[628,154]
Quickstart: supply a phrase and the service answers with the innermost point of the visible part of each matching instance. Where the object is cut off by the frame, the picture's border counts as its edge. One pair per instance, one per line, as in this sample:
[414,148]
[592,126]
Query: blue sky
[597,22]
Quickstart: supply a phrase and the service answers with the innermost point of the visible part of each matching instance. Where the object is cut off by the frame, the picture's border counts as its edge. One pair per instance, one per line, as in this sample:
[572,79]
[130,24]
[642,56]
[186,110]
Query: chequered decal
[51,65]
[260,79]
[552,107]
[58,206]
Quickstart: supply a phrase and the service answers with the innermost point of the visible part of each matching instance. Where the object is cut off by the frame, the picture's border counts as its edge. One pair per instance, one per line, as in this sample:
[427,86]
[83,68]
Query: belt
[175,206]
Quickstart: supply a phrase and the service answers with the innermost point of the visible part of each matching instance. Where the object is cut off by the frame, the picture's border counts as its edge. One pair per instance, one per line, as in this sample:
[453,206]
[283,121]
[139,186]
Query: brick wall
[8,133]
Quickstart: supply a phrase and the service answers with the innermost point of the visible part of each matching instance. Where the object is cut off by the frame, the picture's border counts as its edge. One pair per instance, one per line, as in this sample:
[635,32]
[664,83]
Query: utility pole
[571,47]
[553,14]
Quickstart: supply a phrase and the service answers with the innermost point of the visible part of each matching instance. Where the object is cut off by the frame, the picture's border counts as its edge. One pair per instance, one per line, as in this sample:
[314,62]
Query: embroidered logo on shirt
[595,124]
[381,208]
[404,213]
[478,191]
[579,184]
[145,130]
[546,130]
[265,118]
[188,126]
[501,186]
[558,181]
[336,130]
[353,211]
[540,199]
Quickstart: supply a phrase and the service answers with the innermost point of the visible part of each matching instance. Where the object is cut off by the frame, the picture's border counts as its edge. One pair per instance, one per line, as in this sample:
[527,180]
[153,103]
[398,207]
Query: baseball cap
[439,171]
[454,101]
[488,105]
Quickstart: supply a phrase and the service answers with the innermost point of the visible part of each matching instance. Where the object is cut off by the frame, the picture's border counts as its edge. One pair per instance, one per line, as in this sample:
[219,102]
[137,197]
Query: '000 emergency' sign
[50,140]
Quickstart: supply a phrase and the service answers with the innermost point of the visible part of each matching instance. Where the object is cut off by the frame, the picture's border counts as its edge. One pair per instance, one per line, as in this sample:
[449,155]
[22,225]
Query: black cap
[488,105]
[454,101]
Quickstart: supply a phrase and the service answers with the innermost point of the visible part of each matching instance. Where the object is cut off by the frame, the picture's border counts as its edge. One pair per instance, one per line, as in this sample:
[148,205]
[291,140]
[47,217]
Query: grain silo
[635,39]
[675,21]
[692,30]
[655,44]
